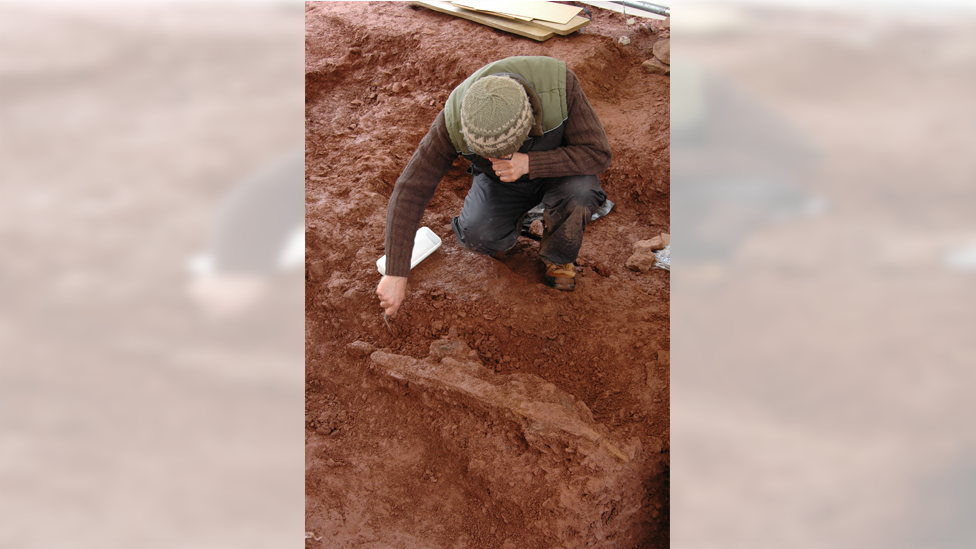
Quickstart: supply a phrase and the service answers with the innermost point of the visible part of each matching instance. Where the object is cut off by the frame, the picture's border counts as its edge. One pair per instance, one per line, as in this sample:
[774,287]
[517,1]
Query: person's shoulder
[572,82]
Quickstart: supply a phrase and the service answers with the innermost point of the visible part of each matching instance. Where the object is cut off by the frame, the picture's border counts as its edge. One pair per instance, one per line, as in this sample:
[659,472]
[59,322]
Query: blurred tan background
[824,274]
[148,398]
[824,249]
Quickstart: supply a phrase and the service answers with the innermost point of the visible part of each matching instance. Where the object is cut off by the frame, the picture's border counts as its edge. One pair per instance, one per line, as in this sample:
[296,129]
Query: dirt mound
[399,460]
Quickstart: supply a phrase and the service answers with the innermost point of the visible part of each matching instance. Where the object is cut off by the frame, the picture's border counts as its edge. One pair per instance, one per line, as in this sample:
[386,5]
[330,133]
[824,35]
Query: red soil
[403,463]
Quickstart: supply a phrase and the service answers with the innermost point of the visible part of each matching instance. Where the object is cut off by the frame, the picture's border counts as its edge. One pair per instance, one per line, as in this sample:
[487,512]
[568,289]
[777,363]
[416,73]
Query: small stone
[396,87]
[666,24]
[536,228]
[462,314]
[436,325]
[662,50]
[650,245]
[666,238]
[317,269]
[356,103]
[623,40]
[632,21]
[654,66]
[361,348]
[641,261]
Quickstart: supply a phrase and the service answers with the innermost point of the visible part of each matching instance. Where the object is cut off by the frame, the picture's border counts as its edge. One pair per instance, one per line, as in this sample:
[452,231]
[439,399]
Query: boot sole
[561,283]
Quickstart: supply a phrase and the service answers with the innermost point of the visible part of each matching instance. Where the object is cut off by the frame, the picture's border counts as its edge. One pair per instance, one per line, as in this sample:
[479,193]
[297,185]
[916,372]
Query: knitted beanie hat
[495,116]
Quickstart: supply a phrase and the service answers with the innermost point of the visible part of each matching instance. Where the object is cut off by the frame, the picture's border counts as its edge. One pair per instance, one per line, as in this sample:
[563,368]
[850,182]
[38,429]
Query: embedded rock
[580,474]
[662,51]
[654,66]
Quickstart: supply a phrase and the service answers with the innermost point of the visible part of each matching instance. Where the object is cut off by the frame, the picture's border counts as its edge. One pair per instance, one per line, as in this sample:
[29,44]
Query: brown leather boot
[561,277]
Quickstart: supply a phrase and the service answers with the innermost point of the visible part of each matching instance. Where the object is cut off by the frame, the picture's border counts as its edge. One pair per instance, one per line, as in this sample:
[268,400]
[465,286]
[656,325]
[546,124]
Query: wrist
[527,166]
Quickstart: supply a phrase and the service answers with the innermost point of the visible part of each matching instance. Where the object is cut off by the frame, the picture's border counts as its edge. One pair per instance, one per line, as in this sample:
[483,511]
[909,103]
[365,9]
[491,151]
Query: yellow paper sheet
[510,16]
[545,11]
[574,25]
[520,28]
[498,14]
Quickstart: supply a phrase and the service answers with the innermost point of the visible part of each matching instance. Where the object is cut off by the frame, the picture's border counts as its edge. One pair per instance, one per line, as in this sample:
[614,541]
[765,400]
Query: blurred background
[824,274]
[151,274]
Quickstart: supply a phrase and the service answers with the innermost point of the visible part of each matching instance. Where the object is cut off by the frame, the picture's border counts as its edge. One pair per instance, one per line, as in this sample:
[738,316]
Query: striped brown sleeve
[413,191]
[585,149]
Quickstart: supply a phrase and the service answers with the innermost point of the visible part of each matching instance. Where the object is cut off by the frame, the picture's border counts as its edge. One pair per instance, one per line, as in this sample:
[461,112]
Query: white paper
[424,244]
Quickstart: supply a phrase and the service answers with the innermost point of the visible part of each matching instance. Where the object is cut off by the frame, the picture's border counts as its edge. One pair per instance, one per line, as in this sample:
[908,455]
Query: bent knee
[578,191]
[482,237]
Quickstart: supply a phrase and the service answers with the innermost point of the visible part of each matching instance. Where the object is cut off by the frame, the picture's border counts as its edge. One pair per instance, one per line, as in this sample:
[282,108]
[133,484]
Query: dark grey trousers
[490,219]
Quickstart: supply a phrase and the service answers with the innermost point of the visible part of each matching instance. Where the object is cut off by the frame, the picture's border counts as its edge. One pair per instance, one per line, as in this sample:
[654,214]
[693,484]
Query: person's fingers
[390,305]
[391,292]
[504,169]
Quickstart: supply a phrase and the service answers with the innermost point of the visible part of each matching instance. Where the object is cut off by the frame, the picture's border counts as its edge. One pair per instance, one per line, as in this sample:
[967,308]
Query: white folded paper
[424,244]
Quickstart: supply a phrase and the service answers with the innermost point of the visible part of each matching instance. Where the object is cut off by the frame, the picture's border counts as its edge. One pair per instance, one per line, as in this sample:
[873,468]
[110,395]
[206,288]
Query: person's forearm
[585,149]
[412,192]
[568,160]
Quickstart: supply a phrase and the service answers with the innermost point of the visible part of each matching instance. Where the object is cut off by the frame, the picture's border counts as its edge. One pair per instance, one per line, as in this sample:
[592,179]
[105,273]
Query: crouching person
[532,137]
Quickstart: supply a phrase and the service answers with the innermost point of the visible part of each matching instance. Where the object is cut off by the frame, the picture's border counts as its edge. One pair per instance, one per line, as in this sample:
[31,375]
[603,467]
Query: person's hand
[392,290]
[510,169]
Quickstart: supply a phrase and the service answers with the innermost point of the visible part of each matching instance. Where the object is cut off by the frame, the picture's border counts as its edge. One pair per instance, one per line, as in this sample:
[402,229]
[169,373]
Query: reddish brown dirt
[395,464]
